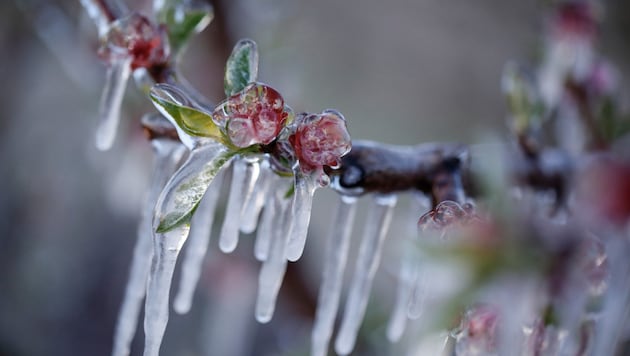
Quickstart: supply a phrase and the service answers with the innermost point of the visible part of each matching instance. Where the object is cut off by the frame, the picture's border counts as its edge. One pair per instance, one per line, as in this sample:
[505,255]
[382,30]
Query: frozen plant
[530,248]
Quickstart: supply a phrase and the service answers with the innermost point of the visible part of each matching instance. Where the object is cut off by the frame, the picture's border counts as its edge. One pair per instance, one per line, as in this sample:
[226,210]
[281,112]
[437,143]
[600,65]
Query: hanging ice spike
[241,181]
[274,267]
[200,230]
[180,196]
[378,221]
[111,99]
[406,280]
[167,155]
[332,277]
[305,186]
[254,201]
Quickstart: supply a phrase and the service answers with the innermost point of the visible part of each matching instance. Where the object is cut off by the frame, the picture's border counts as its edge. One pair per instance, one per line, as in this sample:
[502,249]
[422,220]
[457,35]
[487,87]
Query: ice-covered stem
[439,170]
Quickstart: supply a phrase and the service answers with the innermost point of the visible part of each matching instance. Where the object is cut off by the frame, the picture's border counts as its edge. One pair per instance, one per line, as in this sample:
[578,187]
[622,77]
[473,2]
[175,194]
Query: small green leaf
[183,18]
[173,103]
[241,67]
[189,192]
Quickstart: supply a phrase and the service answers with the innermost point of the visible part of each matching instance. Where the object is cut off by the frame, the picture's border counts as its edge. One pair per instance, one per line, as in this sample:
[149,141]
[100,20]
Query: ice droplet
[228,239]
[255,200]
[300,214]
[378,220]
[166,248]
[274,267]
[200,230]
[167,155]
[332,277]
[111,99]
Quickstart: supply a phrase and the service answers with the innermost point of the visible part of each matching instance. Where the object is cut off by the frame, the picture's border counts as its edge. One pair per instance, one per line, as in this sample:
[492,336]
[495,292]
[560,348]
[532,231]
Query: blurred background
[402,72]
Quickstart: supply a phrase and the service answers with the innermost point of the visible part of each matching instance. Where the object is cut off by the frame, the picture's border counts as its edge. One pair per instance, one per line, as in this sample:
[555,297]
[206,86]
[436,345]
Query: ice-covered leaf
[241,67]
[185,189]
[183,18]
[172,102]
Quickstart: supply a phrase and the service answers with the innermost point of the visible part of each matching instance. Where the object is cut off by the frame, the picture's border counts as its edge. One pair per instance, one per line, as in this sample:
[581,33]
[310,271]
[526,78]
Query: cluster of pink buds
[255,115]
[137,38]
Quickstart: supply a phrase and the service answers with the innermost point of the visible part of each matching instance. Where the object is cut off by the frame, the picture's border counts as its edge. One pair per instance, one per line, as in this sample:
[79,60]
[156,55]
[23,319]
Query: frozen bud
[136,37]
[321,140]
[254,115]
[574,19]
[478,331]
[446,214]
[603,191]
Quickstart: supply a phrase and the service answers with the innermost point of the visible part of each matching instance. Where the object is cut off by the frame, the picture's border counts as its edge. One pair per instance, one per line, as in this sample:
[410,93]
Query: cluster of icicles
[280,237]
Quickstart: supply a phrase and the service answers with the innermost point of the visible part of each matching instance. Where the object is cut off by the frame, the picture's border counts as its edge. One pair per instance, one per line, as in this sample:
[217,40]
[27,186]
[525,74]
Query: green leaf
[241,67]
[189,191]
[183,18]
[172,102]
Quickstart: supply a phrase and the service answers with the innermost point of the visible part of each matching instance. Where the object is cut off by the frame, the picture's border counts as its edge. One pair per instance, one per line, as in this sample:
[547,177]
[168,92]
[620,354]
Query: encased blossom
[136,37]
[320,140]
[254,115]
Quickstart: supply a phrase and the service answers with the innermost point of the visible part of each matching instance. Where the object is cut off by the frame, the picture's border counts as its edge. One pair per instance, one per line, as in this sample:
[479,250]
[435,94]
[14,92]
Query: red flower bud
[255,115]
[321,140]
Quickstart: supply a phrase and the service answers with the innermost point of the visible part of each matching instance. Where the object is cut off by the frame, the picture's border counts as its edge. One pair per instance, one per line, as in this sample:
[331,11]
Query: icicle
[167,155]
[166,248]
[255,200]
[418,293]
[332,277]
[180,196]
[378,220]
[201,228]
[274,267]
[301,215]
[265,231]
[111,99]
[406,279]
[229,232]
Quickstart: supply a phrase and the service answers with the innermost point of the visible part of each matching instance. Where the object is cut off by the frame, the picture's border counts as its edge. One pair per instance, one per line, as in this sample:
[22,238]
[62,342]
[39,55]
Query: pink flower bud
[254,115]
[135,36]
[321,140]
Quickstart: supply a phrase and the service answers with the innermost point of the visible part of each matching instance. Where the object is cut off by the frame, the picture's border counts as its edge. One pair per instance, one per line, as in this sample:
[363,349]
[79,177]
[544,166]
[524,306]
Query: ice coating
[377,224]
[200,231]
[274,267]
[111,100]
[188,185]
[228,239]
[332,276]
[167,155]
